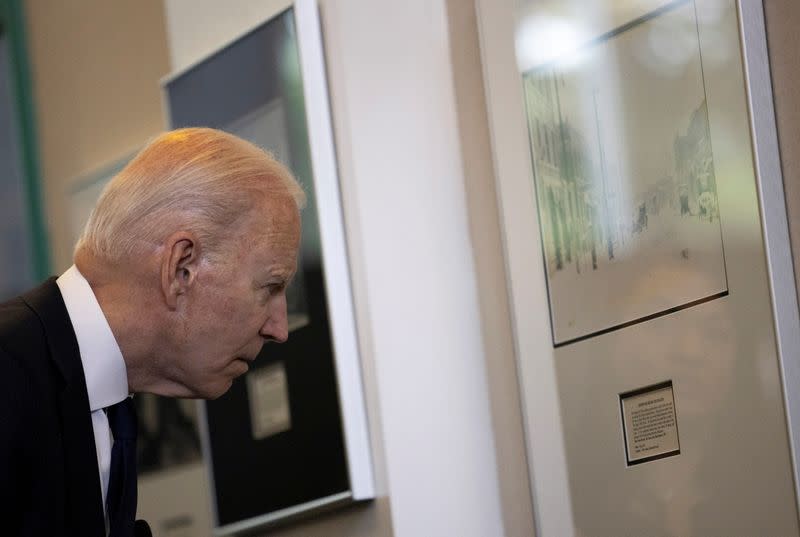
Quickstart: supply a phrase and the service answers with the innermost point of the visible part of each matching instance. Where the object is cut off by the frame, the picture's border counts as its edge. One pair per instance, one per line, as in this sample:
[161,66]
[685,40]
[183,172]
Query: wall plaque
[649,423]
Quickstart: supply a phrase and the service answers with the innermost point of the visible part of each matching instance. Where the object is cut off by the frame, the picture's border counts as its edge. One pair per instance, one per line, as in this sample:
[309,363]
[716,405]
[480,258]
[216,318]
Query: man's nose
[276,328]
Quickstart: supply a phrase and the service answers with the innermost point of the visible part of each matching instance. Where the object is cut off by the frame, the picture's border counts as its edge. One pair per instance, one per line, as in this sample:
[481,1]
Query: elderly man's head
[189,252]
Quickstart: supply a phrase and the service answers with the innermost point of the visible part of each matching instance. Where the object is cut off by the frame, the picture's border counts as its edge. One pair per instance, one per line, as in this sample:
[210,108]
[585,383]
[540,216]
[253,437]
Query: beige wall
[783,21]
[485,234]
[95,67]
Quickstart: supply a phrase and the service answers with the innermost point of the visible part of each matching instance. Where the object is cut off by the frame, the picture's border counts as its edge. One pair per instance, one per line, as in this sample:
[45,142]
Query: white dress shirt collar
[103,365]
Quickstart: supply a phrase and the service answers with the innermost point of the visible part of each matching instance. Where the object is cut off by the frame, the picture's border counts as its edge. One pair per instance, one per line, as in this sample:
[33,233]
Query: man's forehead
[275,226]
[280,211]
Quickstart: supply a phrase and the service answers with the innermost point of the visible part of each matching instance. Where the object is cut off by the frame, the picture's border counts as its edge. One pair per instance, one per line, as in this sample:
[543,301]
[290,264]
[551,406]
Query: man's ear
[179,264]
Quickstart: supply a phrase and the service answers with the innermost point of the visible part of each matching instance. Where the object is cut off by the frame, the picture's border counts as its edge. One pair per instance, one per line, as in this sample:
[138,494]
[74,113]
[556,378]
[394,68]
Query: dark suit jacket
[49,479]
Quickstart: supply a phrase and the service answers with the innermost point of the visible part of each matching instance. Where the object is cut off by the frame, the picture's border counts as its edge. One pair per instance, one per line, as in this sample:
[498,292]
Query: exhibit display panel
[290,437]
[645,233]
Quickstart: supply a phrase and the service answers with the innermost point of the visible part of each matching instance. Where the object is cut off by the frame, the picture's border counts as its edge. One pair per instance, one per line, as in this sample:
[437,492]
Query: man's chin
[215,391]
[218,386]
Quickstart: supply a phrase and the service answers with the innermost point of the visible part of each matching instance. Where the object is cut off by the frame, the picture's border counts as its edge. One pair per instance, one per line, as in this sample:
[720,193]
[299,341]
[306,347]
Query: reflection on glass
[625,175]
[254,88]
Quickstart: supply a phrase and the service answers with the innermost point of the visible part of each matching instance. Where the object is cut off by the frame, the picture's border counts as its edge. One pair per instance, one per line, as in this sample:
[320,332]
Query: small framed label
[649,423]
[268,392]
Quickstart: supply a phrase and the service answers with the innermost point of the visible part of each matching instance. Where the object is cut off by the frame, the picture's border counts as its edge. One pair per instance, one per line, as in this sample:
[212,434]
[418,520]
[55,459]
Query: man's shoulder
[18,319]
[22,333]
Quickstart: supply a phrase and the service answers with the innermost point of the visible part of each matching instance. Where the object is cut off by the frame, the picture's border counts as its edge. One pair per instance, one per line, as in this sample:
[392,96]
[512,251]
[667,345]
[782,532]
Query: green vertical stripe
[12,22]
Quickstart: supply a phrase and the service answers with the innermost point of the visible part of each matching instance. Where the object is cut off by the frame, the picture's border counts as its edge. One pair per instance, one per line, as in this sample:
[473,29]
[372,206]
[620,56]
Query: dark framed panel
[289,438]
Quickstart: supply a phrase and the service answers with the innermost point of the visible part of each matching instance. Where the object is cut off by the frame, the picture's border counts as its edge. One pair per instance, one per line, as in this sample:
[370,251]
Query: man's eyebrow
[277,275]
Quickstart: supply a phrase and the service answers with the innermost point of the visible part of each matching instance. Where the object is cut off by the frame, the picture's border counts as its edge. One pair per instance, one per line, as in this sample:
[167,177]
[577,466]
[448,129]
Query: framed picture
[625,177]
[646,246]
[290,437]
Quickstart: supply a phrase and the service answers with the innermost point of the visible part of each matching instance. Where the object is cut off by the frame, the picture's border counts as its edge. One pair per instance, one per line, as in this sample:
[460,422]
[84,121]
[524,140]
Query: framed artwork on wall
[618,198]
[290,438]
[646,245]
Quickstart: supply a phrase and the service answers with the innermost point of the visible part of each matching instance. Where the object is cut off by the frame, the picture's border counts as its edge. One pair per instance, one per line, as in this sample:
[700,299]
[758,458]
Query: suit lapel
[83,494]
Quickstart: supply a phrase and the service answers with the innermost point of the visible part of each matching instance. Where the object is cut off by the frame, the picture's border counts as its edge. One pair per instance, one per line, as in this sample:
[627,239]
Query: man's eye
[275,288]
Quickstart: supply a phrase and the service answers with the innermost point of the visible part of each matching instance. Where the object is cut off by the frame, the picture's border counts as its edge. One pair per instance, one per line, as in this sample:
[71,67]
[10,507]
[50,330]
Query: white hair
[196,179]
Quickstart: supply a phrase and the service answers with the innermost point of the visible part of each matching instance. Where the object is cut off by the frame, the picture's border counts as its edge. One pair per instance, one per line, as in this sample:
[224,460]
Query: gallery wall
[486,238]
[418,194]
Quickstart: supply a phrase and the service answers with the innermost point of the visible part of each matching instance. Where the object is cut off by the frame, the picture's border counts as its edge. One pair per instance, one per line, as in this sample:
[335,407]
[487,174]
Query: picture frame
[289,439]
[621,202]
[713,351]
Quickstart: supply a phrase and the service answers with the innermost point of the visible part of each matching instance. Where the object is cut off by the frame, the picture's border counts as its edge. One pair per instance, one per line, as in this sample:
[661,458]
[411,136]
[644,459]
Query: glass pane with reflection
[623,159]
